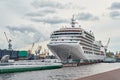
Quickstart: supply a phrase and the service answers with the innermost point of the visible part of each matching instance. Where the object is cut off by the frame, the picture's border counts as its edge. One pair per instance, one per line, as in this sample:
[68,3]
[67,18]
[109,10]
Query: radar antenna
[73,21]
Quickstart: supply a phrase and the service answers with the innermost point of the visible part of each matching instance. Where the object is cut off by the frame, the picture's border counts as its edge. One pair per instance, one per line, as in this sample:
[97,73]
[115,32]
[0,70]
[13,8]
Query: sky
[28,21]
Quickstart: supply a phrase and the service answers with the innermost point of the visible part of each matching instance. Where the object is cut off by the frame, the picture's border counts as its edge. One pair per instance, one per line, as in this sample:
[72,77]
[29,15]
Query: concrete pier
[110,75]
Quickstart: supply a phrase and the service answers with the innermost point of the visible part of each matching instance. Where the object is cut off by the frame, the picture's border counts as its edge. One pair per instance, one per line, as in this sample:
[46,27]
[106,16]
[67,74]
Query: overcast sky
[28,21]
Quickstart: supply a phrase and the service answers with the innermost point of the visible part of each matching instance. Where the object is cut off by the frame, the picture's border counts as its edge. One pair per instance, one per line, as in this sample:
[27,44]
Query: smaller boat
[109,60]
[27,65]
[6,61]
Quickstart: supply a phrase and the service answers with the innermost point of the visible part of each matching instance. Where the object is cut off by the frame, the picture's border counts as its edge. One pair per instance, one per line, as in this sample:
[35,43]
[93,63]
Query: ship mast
[73,21]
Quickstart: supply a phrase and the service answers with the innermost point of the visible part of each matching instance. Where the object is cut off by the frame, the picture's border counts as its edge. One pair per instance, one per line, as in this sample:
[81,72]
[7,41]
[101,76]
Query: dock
[110,75]
[74,64]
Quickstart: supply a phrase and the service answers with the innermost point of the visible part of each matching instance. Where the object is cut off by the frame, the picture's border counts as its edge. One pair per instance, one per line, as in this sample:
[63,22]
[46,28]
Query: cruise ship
[75,43]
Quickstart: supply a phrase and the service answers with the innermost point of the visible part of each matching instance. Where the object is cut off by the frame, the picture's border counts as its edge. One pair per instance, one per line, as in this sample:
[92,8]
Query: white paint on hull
[63,50]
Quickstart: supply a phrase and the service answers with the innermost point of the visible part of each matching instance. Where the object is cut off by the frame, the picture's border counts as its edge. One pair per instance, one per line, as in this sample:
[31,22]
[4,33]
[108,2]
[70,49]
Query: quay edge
[110,75]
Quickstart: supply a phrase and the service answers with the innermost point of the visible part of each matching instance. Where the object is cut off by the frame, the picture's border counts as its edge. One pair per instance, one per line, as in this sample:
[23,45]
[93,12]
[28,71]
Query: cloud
[48,11]
[25,35]
[115,14]
[53,20]
[48,4]
[16,7]
[21,29]
[56,4]
[35,14]
[115,5]
[40,13]
[87,17]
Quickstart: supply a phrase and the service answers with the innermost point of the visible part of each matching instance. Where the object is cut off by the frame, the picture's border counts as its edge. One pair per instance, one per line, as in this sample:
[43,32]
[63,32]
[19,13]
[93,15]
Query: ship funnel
[73,21]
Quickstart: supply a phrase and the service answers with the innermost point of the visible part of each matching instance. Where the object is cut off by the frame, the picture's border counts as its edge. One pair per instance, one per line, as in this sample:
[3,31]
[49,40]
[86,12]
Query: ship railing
[54,42]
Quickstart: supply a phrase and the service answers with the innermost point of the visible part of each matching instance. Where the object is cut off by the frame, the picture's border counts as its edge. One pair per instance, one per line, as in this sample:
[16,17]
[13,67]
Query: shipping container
[0,54]
[13,54]
[31,57]
[23,53]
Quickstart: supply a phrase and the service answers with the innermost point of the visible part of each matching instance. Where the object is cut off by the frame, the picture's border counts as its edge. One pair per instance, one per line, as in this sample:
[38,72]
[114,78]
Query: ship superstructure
[75,43]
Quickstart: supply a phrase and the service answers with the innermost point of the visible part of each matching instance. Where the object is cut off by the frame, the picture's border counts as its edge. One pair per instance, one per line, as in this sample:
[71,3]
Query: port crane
[37,51]
[30,55]
[30,50]
[106,46]
[9,42]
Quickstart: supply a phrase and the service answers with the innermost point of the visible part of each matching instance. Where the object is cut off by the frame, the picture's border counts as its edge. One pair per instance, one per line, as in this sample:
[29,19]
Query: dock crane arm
[6,37]
[9,42]
[106,46]
[32,46]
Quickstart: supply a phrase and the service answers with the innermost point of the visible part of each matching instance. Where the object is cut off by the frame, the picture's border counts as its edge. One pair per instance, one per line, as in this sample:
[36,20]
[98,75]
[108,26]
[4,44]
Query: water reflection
[6,76]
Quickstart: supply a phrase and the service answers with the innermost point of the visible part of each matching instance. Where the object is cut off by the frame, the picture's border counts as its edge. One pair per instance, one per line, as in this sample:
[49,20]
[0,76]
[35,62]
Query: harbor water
[65,73]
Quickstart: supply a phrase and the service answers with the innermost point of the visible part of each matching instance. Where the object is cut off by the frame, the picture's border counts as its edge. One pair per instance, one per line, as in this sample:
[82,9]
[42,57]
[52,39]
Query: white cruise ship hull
[64,50]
